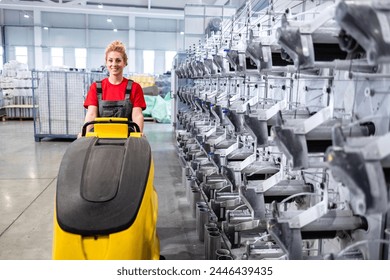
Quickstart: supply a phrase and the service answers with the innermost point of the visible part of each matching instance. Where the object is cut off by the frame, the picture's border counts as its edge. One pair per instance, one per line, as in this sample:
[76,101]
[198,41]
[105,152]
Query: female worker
[115,96]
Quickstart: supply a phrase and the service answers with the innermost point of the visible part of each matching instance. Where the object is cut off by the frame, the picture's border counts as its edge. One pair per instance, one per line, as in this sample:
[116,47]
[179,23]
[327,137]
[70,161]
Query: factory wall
[93,32]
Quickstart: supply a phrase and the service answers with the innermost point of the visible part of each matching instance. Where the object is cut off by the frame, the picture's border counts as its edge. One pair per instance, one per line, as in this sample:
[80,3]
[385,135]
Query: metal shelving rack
[58,98]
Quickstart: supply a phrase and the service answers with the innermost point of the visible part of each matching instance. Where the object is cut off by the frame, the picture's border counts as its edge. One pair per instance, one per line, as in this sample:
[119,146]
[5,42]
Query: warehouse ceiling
[152,8]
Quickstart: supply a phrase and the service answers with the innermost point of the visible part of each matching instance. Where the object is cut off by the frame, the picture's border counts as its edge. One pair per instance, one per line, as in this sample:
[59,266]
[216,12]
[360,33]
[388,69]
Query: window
[149,62]
[169,55]
[1,59]
[21,54]
[57,56]
[81,58]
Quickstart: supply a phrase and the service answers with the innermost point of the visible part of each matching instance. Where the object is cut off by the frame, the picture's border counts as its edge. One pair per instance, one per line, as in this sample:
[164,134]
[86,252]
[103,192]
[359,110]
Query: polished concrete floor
[28,173]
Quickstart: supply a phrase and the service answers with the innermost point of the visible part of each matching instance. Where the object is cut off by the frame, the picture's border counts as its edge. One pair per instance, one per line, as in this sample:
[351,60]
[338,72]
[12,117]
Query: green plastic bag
[162,110]
[150,100]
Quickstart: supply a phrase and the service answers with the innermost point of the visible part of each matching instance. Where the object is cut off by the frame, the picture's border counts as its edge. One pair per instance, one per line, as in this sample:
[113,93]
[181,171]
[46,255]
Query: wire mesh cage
[58,98]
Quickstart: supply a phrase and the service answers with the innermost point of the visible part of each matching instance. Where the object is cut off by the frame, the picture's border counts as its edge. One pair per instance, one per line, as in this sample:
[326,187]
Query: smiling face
[115,63]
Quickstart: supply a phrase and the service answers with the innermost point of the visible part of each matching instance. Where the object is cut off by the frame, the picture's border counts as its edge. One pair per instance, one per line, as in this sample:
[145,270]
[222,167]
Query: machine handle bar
[130,123]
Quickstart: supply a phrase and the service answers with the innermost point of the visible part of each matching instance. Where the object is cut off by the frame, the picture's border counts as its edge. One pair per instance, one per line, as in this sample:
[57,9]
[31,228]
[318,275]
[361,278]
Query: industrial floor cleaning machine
[106,206]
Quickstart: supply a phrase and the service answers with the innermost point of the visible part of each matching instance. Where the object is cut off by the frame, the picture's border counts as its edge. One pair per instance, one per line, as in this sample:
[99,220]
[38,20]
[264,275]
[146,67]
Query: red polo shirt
[116,92]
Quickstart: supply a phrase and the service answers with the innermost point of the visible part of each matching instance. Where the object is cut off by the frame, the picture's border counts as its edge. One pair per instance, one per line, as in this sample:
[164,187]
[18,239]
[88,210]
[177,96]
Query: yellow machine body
[135,239]
[111,128]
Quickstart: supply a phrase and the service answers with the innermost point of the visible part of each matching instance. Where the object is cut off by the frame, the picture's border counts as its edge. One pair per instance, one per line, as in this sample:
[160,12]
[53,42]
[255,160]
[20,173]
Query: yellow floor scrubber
[106,205]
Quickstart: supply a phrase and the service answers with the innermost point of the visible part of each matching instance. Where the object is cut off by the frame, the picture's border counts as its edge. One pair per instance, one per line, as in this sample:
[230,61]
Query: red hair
[117,46]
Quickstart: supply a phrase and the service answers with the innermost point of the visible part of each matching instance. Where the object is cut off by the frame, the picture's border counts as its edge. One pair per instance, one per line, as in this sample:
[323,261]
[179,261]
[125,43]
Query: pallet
[149,119]
[5,118]
[2,112]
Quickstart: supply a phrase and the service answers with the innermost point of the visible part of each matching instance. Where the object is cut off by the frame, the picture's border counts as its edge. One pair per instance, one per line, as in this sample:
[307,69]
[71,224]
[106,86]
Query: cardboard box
[152,90]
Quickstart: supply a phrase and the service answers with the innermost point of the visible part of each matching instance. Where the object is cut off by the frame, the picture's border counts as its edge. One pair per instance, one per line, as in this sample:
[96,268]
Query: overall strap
[128,88]
[99,90]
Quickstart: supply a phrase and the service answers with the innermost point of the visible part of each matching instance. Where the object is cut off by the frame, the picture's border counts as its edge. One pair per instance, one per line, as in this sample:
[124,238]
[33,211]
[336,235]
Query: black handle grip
[129,123]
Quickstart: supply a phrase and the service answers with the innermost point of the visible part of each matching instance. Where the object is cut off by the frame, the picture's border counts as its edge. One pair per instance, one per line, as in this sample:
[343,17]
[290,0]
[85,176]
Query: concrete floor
[28,173]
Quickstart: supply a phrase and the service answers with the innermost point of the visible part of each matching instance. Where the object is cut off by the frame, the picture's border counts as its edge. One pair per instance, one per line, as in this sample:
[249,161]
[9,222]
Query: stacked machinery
[283,131]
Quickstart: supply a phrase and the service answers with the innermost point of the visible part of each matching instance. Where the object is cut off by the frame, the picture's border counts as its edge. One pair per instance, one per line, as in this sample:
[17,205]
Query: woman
[115,88]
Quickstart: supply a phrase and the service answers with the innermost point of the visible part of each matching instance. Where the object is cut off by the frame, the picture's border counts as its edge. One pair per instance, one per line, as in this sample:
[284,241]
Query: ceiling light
[26,15]
[109,20]
[100,6]
[181,33]
[115,30]
[46,28]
